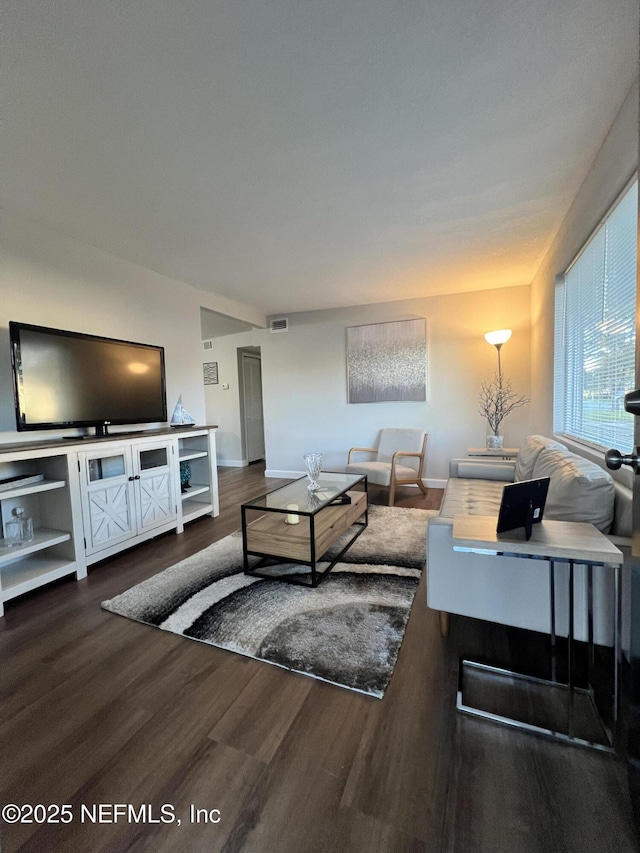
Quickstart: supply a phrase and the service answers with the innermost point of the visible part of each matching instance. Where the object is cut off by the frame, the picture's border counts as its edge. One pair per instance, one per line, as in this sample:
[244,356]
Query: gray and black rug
[347,631]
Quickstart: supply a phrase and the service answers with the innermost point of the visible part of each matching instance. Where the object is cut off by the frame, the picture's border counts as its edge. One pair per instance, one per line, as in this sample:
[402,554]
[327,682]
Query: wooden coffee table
[293,526]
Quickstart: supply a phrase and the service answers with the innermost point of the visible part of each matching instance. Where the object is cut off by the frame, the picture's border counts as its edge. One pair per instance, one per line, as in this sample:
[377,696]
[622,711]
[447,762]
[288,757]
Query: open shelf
[195,489]
[43,538]
[31,489]
[194,508]
[186,454]
[201,498]
[44,486]
[32,572]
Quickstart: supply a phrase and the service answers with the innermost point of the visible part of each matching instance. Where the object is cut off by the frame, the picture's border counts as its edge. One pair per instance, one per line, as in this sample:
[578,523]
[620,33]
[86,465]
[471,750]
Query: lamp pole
[499,347]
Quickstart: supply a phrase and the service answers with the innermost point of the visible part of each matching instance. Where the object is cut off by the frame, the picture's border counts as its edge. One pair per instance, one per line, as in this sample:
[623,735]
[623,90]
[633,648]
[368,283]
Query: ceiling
[306,154]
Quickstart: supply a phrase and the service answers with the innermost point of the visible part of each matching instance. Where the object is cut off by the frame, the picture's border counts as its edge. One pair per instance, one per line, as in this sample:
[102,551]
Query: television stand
[91,497]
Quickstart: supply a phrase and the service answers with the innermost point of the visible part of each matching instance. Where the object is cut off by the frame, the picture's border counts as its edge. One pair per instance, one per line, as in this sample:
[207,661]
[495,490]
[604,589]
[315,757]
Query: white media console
[90,498]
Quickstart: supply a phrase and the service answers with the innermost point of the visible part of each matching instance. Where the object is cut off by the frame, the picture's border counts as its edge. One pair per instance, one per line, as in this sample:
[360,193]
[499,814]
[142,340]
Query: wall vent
[279,325]
[207,345]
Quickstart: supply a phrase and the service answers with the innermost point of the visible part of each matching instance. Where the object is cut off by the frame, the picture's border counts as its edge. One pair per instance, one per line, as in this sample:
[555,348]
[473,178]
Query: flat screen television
[69,379]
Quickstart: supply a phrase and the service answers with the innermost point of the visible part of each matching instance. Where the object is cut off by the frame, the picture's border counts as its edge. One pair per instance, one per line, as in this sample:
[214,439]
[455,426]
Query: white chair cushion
[380,472]
[528,453]
[579,489]
[392,440]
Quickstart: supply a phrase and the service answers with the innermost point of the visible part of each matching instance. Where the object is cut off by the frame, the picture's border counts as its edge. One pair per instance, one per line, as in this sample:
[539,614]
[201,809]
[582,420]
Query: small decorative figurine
[181,416]
[185,476]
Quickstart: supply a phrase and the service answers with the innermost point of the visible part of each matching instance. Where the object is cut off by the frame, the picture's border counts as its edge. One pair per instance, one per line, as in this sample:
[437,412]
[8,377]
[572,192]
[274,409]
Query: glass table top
[297,496]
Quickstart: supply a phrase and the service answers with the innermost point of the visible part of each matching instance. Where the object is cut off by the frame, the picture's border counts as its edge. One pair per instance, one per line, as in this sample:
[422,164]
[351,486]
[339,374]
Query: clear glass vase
[313,466]
[495,442]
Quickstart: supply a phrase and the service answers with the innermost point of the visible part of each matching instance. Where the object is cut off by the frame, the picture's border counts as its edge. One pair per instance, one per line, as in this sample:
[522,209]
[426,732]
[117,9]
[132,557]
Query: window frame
[562,379]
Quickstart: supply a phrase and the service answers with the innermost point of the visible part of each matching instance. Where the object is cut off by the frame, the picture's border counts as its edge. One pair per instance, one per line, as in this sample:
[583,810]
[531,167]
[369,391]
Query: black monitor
[522,505]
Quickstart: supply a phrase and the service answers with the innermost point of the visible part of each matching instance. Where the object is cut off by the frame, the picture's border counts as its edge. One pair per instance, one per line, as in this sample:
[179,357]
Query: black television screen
[68,379]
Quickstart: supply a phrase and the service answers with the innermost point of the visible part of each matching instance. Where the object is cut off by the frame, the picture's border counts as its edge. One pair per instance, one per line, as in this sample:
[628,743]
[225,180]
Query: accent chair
[398,460]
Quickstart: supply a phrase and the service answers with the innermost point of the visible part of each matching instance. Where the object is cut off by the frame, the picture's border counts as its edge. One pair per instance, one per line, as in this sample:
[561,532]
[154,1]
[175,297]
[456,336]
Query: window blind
[594,359]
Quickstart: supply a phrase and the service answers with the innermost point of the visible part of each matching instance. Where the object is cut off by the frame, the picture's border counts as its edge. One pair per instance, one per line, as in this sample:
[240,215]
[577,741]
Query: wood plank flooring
[97,709]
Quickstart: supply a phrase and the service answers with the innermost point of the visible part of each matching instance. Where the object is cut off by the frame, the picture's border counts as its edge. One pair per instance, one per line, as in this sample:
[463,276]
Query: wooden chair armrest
[407,453]
[363,449]
[394,458]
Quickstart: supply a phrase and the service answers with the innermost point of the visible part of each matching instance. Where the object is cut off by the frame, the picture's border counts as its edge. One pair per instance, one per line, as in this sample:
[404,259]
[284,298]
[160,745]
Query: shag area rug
[347,631]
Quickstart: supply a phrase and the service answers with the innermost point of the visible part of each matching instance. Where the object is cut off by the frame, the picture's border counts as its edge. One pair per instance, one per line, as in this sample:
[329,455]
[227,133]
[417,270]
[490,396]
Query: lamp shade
[499,337]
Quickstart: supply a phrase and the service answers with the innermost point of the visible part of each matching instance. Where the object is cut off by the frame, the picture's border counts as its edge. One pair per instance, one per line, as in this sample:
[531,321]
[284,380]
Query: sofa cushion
[471,497]
[622,511]
[579,489]
[482,469]
[528,453]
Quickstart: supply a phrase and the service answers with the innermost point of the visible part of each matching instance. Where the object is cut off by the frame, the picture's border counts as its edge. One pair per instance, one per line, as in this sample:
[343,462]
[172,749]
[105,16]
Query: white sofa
[511,590]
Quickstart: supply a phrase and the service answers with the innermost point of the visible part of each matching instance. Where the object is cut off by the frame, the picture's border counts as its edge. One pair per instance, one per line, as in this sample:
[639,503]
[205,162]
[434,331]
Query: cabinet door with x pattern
[126,491]
[108,503]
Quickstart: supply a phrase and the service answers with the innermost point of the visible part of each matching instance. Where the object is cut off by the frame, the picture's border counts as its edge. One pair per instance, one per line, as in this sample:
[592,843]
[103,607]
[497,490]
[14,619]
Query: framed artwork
[387,362]
[210,369]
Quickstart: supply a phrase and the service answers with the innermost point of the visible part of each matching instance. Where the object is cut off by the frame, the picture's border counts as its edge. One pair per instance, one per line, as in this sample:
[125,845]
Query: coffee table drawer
[357,506]
[270,534]
[333,521]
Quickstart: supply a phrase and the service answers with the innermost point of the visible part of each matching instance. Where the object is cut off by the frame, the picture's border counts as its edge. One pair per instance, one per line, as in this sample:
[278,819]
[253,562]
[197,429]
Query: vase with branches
[497,401]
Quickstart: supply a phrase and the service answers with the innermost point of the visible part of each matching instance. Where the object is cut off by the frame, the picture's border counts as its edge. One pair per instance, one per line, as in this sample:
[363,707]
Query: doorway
[251,411]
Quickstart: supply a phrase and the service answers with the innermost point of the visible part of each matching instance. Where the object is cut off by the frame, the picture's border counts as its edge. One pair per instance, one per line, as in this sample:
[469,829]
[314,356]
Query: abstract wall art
[387,362]
[210,371]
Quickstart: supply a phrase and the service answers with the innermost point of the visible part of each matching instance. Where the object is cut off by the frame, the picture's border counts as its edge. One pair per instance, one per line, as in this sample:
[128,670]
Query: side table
[503,453]
[554,541]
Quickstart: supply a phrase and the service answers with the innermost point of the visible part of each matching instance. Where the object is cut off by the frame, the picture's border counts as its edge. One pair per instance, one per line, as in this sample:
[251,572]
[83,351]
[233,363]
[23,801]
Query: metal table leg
[571,689]
[552,601]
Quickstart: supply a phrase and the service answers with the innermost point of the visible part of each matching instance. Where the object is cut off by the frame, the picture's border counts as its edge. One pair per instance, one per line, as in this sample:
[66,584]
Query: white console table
[554,541]
[90,498]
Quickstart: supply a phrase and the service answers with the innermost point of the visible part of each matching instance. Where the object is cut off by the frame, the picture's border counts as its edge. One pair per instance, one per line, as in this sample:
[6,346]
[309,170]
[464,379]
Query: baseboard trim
[435,484]
[232,463]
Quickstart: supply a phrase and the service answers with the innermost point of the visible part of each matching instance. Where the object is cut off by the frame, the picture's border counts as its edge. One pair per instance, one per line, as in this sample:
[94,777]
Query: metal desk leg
[617,616]
[571,689]
[570,654]
[552,601]
[591,657]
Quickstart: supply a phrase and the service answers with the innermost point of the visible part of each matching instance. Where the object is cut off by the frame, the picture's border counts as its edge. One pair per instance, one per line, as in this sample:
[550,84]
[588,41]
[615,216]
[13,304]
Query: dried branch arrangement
[498,400]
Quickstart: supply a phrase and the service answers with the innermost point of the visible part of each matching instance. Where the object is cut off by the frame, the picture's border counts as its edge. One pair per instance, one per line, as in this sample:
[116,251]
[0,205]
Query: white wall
[615,164]
[50,280]
[305,380]
[223,404]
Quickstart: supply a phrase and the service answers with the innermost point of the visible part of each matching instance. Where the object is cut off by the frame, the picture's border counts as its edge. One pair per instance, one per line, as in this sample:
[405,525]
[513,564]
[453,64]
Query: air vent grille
[279,325]
[207,345]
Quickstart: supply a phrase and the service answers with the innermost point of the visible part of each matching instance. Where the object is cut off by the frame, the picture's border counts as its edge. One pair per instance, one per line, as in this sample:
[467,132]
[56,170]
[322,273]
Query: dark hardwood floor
[97,709]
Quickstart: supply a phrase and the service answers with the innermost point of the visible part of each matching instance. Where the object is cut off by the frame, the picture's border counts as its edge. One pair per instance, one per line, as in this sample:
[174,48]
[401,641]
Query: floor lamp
[497,339]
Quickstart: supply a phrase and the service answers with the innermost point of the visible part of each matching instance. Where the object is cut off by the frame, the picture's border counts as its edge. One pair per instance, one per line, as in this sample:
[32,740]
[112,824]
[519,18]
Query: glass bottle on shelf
[19,528]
